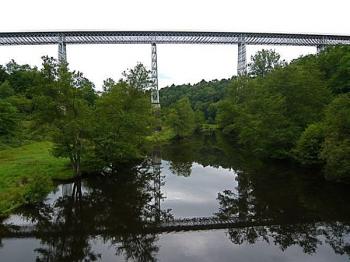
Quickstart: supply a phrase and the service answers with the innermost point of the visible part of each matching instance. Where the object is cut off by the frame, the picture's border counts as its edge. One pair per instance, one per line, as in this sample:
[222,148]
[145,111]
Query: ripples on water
[280,213]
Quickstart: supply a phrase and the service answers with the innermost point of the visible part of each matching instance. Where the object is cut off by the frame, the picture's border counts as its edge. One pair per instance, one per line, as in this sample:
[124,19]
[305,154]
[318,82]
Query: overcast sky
[176,63]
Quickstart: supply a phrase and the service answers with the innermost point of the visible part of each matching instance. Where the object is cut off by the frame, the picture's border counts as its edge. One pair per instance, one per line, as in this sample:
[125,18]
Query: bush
[337,157]
[309,145]
[37,189]
[336,149]
[181,118]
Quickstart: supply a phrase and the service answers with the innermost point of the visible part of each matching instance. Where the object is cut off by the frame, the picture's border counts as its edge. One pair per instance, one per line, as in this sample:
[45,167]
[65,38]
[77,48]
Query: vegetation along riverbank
[297,111]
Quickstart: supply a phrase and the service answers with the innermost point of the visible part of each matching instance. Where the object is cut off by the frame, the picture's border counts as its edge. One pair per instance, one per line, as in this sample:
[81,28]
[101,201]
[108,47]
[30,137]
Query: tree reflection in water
[118,209]
[288,205]
[282,220]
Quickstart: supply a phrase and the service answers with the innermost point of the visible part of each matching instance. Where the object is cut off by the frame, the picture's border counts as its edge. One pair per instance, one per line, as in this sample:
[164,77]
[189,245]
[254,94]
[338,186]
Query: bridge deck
[169,37]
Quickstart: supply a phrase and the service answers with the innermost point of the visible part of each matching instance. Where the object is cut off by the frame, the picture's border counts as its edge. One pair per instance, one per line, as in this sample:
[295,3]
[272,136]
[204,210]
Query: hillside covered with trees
[298,111]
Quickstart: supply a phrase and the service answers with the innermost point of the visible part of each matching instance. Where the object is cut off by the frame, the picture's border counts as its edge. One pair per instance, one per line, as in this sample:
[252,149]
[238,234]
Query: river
[200,199]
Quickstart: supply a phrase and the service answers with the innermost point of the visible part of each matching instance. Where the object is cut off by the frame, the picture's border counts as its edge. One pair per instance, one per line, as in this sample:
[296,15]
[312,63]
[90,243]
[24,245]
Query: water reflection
[202,177]
[117,208]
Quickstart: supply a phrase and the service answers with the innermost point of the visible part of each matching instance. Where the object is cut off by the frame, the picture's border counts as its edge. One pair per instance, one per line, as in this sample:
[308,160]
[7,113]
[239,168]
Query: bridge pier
[242,58]
[62,52]
[320,48]
[154,77]
[157,183]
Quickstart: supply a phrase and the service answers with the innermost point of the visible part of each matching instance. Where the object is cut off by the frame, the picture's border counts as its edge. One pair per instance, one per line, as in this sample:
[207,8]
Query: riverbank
[165,135]
[26,174]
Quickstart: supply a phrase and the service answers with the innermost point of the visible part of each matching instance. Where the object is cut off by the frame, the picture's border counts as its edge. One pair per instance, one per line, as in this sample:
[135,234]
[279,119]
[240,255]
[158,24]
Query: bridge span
[242,39]
[186,224]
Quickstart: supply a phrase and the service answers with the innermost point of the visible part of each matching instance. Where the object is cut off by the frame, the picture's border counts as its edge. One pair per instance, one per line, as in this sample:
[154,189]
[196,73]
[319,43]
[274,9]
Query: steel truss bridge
[153,38]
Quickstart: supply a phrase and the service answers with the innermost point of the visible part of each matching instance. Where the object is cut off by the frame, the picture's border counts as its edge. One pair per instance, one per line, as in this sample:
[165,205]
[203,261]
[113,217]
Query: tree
[6,90]
[264,61]
[3,74]
[181,118]
[334,63]
[202,95]
[8,120]
[336,149]
[108,84]
[309,145]
[138,77]
[268,114]
[123,119]
[23,78]
[65,106]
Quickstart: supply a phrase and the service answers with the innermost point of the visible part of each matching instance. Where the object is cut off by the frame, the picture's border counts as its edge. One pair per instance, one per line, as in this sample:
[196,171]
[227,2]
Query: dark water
[279,213]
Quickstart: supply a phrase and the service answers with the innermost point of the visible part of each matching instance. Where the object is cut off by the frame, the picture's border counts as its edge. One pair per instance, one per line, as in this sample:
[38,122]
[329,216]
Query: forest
[297,111]
[55,125]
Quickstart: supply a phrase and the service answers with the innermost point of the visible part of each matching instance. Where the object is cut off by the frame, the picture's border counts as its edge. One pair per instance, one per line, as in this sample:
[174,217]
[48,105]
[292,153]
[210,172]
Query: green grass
[26,174]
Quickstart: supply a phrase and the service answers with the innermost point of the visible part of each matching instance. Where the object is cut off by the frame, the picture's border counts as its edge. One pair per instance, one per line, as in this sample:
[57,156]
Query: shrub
[309,146]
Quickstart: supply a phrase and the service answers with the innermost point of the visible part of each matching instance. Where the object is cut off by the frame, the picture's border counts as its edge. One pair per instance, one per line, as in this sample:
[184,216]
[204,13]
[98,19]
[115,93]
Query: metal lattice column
[157,183]
[242,57]
[320,48]
[154,77]
[62,52]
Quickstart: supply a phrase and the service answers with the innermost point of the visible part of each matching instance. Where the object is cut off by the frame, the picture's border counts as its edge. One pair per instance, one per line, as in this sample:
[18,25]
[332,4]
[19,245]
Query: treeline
[298,111]
[95,131]
[202,96]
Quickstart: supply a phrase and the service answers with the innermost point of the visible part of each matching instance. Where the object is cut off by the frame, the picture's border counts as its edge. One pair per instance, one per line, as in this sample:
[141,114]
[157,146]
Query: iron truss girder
[169,37]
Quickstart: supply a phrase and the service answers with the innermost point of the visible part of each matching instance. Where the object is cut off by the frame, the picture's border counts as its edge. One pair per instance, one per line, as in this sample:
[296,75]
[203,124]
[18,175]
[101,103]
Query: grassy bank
[26,174]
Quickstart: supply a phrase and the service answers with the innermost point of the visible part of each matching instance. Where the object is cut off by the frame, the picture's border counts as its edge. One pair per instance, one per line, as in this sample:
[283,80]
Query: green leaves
[182,118]
[336,149]
[309,145]
[8,119]
[66,104]
[138,77]
[267,114]
[6,90]
[264,61]
[122,119]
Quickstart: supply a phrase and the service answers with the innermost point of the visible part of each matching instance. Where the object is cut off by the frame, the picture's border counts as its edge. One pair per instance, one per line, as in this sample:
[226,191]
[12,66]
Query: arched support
[154,77]
[242,58]
[62,52]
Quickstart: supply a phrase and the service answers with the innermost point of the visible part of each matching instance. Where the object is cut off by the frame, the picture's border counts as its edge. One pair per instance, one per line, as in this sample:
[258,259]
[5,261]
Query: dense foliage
[202,96]
[264,61]
[181,118]
[297,111]
[336,147]
[122,120]
[63,106]
[268,114]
